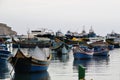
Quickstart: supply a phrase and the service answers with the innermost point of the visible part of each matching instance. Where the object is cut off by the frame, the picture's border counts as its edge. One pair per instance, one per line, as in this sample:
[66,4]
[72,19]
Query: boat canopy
[37,53]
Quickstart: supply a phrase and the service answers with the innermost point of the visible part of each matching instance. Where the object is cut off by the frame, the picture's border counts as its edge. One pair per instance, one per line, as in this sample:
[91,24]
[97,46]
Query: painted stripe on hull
[39,68]
[28,68]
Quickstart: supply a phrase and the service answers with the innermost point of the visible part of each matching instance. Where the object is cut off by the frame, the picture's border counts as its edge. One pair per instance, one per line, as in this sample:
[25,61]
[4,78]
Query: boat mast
[28,32]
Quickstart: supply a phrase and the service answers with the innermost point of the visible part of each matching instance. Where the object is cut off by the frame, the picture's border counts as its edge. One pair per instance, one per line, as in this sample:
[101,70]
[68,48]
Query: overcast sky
[21,15]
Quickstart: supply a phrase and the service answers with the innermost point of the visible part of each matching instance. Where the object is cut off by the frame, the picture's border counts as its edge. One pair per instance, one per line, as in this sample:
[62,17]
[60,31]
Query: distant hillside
[6,30]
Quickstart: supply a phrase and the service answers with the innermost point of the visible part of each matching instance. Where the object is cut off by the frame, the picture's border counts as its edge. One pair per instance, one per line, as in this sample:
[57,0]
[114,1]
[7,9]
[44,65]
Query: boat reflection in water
[101,60]
[89,64]
[32,76]
[85,63]
[4,70]
[60,56]
[65,58]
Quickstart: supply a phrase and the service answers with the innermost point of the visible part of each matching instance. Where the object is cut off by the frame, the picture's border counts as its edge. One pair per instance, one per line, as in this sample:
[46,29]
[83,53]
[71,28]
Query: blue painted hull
[32,76]
[116,45]
[79,55]
[111,47]
[101,53]
[25,68]
[38,68]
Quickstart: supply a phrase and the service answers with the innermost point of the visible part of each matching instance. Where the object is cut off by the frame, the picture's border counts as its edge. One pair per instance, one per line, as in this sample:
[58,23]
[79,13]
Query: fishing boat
[100,48]
[39,37]
[82,52]
[31,43]
[60,47]
[91,33]
[35,61]
[113,39]
[101,51]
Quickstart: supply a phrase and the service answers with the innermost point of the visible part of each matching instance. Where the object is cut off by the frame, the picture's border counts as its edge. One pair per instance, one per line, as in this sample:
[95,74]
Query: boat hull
[101,53]
[27,65]
[79,55]
[32,76]
[116,45]
[110,47]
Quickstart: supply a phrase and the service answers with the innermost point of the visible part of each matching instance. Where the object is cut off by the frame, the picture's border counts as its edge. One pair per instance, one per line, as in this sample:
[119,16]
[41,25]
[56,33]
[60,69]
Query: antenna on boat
[83,29]
[91,29]
[112,32]
[28,32]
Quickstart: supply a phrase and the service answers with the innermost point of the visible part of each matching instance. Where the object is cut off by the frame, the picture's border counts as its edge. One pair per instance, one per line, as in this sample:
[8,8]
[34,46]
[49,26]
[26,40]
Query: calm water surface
[65,68]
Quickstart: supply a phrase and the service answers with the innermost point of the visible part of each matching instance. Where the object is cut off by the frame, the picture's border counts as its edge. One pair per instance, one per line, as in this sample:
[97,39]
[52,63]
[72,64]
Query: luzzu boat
[101,51]
[100,48]
[34,62]
[82,53]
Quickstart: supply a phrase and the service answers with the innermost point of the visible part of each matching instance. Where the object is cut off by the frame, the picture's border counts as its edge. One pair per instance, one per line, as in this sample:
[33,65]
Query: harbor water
[66,68]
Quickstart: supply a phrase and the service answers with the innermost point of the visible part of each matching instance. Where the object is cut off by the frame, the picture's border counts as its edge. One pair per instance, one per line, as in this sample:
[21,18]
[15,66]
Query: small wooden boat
[34,62]
[100,48]
[113,39]
[101,51]
[82,53]
[60,47]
